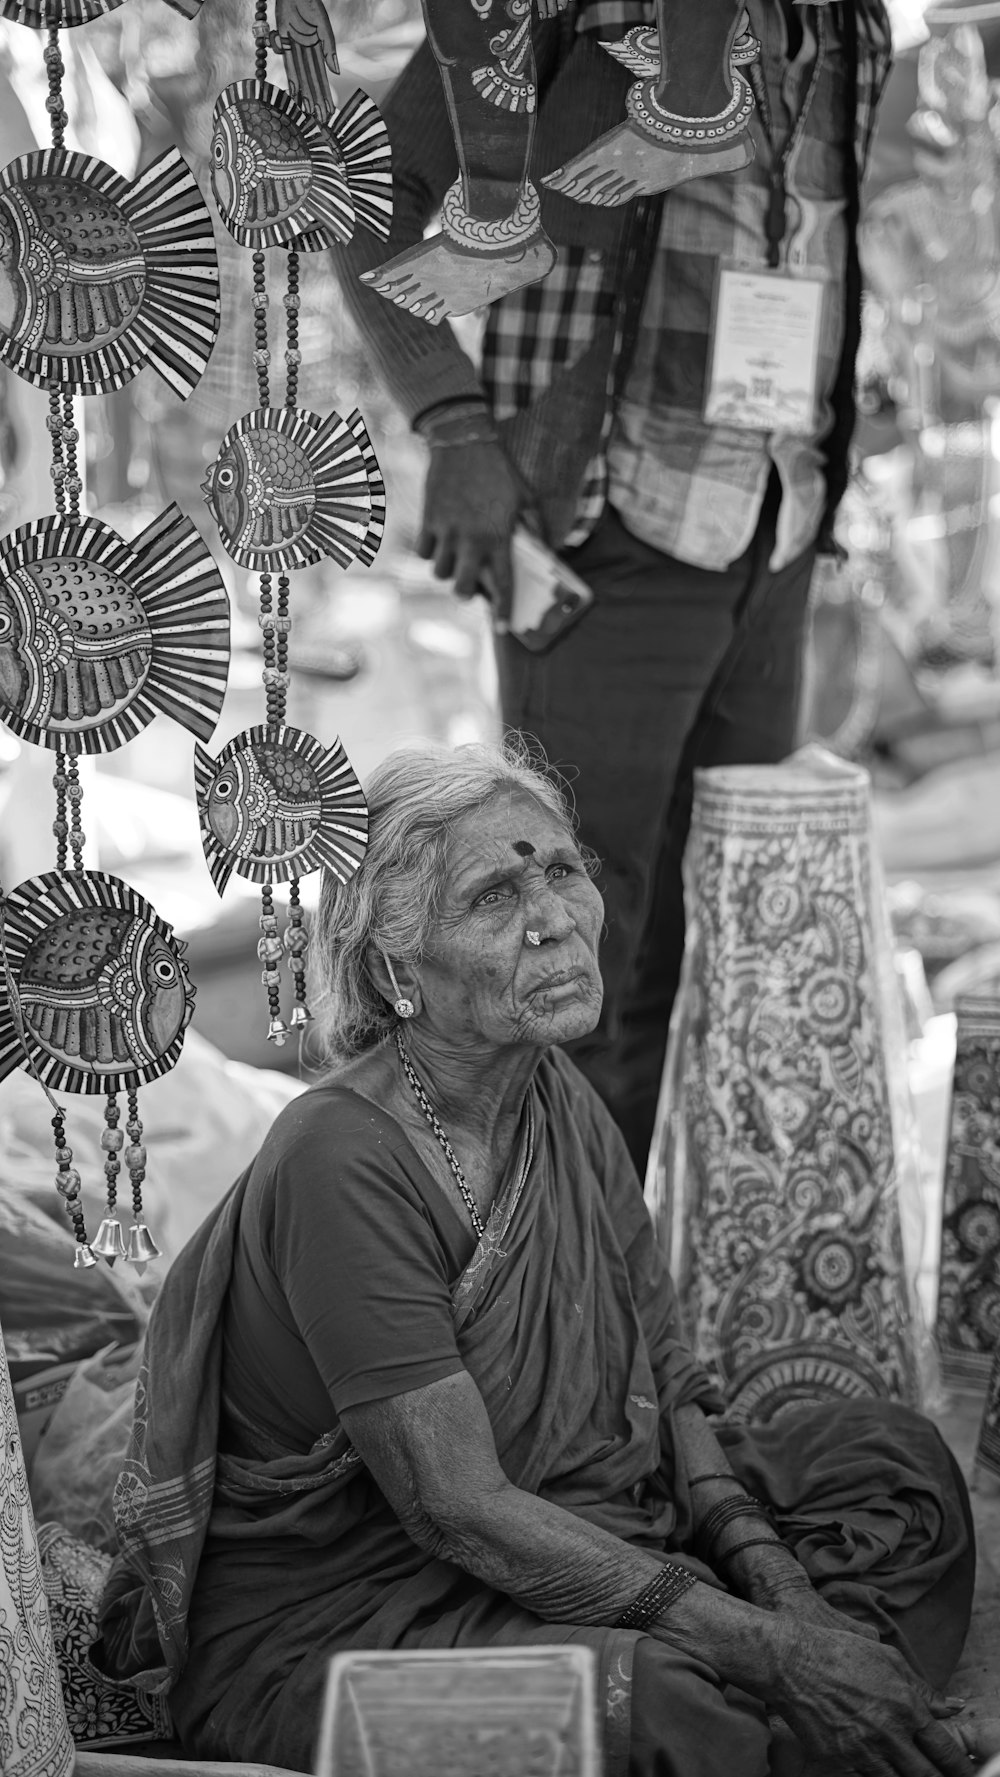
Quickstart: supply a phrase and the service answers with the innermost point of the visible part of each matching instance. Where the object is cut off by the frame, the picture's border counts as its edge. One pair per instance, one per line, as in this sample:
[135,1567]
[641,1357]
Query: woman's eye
[494,896]
[557,872]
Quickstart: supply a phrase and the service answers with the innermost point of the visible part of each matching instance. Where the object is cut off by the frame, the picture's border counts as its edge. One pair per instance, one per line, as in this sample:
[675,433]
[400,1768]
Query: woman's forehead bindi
[524,848]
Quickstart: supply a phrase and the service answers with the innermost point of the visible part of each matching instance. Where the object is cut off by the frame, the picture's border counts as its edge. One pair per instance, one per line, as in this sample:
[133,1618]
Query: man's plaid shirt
[545,327]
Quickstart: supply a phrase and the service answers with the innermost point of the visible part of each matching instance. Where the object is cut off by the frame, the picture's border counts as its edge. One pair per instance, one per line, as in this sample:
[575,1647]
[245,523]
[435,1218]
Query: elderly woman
[418,1381]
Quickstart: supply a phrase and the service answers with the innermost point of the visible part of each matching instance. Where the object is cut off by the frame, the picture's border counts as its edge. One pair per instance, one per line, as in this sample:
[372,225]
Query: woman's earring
[403,1007]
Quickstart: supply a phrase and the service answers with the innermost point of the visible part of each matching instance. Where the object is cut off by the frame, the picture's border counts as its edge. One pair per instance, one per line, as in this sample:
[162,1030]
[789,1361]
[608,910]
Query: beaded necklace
[419,1093]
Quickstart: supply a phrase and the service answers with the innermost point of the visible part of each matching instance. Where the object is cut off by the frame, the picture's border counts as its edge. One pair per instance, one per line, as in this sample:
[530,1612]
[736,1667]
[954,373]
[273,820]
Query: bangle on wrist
[670,1584]
[752,1542]
[725,1512]
[696,1480]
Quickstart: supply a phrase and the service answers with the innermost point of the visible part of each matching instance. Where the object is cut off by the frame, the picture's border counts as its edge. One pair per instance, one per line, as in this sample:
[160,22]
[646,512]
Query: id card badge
[764,350]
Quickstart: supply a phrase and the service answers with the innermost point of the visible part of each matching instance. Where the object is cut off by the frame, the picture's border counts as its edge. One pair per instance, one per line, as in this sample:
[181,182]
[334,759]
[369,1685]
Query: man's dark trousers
[673,667]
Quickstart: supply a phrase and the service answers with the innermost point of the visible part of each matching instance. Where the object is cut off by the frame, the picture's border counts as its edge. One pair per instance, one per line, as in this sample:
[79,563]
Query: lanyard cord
[775,222]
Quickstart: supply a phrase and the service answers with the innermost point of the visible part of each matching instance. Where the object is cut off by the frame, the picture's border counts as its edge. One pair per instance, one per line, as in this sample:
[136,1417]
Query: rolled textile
[785,1128]
[988,1447]
[968,1313]
[34,1734]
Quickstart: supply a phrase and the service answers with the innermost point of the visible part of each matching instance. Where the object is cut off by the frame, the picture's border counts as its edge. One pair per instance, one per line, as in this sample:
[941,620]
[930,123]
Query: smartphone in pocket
[547,597]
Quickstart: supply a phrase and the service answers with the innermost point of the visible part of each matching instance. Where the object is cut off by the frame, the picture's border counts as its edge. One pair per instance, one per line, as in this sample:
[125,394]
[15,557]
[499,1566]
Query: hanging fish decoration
[97,635]
[282,176]
[289,488]
[100,275]
[43,15]
[101,985]
[276,804]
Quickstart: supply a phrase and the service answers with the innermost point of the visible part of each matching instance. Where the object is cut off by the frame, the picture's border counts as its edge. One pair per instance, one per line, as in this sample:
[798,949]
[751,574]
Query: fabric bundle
[785,1131]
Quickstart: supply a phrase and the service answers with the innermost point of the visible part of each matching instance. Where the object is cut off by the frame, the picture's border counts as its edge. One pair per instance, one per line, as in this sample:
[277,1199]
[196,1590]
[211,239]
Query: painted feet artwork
[491,241]
[968,1317]
[688,112]
[780,1195]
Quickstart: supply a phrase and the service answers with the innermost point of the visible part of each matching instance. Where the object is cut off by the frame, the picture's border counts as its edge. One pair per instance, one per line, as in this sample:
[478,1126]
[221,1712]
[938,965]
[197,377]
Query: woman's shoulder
[333,1127]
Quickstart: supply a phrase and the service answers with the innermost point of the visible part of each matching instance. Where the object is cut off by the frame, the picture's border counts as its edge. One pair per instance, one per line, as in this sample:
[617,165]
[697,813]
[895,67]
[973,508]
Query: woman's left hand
[805,1604]
[771,1578]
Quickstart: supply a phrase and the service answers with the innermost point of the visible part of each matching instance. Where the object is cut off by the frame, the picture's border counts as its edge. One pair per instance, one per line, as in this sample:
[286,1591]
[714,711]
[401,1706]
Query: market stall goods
[968,1316]
[34,1734]
[781,1189]
[276,804]
[98,635]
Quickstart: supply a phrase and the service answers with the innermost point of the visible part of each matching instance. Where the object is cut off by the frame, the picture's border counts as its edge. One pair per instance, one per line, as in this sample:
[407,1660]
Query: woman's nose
[548,914]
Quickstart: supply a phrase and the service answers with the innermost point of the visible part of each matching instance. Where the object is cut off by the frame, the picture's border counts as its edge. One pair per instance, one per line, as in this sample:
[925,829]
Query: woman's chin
[575,1017]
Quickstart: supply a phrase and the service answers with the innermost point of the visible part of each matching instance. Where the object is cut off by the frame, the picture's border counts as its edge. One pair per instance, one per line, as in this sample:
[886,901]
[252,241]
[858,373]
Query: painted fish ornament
[99,275]
[97,635]
[276,804]
[289,488]
[100,980]
[43,15]
[283,177]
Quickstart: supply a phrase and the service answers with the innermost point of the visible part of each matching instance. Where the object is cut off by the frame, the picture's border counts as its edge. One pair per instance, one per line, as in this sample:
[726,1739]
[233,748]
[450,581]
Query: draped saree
[244,1565]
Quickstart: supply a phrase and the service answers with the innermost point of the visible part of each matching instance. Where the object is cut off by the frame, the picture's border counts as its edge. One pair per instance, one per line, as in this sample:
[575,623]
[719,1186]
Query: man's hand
[471,504]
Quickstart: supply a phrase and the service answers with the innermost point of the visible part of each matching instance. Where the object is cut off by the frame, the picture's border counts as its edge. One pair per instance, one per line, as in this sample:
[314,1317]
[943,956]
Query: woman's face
[513,868]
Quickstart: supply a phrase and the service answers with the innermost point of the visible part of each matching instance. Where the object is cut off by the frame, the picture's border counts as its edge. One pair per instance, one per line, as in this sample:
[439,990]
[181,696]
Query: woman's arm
[432,1454]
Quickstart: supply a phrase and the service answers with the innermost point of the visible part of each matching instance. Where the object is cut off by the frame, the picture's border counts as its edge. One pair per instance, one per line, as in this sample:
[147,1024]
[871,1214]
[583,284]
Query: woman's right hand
[856,1704]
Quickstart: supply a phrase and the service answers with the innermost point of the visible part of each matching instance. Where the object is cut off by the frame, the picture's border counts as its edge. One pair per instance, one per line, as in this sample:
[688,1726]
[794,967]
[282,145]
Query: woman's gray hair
[416,796]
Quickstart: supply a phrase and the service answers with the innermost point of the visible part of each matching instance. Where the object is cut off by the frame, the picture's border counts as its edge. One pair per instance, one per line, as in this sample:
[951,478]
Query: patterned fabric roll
[785,1123]
[968,1316]
[988,1448]
[34,1735]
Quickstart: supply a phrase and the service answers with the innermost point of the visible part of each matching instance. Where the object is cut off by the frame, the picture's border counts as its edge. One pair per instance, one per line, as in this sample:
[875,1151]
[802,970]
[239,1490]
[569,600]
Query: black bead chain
[112,1142]
[296,944]
[60,826]
[57,468]
[55,68]
[69,1186]
[269,952]
[135,1154]
[74,796]
[71,438]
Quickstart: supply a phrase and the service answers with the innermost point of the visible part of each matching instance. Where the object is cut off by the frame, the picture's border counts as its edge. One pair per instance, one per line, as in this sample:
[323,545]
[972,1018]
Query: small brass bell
[83,1258]
[141,1246]
[109,1242]
[301,1016]
[278,1031]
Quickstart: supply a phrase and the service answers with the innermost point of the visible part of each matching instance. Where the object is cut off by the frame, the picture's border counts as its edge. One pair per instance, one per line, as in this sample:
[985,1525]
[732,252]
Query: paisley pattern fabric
[988,1448]
[777,1176]
[97,1708]
[968,1316]
[34,1735]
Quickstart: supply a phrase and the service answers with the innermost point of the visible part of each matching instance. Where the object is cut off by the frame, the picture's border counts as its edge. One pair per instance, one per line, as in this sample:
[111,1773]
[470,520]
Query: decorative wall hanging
[275,805]
[491,241]
[58,15]
[97,1001]
[289,488]
[689,111]
[34,1734]
[968,1315]
[777,1183]
[97,635]
[99,275]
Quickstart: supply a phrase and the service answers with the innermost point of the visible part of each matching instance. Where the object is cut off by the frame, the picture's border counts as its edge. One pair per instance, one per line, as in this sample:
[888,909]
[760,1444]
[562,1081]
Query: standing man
[603,414]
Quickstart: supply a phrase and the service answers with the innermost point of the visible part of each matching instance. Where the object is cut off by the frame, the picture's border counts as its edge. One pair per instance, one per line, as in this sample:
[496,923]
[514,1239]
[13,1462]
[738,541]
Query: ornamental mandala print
[968,1316]
[787,1249]
[34,1735]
